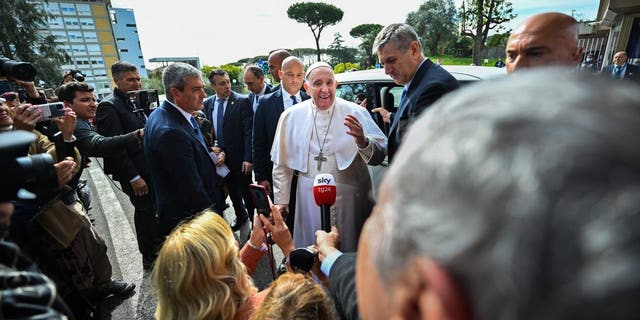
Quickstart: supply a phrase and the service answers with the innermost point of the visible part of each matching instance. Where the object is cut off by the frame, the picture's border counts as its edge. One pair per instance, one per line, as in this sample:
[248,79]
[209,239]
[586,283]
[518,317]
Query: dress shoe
[117,288]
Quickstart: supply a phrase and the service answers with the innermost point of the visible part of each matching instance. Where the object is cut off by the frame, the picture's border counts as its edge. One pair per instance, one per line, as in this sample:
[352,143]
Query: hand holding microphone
[324,193]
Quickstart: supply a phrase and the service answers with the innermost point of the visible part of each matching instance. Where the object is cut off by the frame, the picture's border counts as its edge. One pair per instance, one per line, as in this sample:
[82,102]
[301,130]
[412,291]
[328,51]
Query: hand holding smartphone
[261,200]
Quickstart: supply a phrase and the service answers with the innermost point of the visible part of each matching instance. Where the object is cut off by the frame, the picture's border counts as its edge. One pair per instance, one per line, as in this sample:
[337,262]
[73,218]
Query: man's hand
[327,242]
[266,185]
[140,187]
[247,167]
[355,130]
[66,124]
[221,158]
[65,170]
[384,113]
[29,87]
[26,116]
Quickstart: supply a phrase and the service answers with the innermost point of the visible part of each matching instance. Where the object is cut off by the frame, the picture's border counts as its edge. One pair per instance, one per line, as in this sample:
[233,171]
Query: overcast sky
[221,32]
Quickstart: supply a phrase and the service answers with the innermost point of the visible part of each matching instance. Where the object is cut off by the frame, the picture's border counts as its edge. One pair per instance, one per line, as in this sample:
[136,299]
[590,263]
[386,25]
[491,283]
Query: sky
[221,32]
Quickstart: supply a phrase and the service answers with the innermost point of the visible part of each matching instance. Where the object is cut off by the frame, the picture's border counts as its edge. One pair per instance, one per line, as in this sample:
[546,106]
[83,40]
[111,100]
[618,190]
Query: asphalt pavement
[113,218]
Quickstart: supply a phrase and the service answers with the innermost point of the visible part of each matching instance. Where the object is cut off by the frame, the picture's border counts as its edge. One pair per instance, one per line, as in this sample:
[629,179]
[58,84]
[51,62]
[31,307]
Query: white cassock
[299,136]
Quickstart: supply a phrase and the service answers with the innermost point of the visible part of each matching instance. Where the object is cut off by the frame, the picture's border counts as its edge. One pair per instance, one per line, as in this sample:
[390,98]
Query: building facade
[84,31]
[127,40]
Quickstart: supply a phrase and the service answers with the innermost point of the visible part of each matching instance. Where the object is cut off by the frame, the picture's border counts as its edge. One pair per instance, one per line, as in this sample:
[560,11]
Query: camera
[301,260]
[35,173]
[147,100]
[17,70]
[51,110]
[76,74]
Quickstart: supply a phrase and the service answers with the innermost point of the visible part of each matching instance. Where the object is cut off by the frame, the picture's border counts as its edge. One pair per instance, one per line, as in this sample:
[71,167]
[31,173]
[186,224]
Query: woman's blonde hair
[294,296]
[198,274]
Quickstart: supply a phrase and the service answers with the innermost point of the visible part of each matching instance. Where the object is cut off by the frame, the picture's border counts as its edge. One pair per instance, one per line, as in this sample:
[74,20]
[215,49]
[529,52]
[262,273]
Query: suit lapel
[415,82]
[185,124]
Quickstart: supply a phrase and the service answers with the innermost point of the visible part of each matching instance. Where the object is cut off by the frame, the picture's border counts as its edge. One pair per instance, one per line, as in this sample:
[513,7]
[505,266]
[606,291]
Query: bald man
[620,69]
[275,65]
[546,39]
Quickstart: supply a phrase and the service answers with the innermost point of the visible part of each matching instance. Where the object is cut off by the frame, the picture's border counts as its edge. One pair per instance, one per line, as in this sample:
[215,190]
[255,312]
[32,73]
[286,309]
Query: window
[52,8]
[130,24]
[87,23]
[79,49]
[83,9]
[75,36]
[124,50]
[82,62]
[68,9]
[94,49]
[120,39]
[97,61]
[56,23]
[60,36]
[90,36]
[71,23]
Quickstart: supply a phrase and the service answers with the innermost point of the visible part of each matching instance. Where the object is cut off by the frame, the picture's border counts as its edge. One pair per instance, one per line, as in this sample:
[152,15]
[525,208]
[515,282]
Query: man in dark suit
[180,163]
[275,65]
[254,80]
[117,115]
[620,69]
[400,51]
[232,118]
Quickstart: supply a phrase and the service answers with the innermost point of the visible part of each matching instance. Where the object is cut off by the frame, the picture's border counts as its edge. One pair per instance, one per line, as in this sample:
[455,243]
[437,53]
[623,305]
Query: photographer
[56,234]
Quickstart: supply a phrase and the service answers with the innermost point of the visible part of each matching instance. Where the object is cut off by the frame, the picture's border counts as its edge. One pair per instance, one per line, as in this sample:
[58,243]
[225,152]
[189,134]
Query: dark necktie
[196,129]
[293,98]
[219,121]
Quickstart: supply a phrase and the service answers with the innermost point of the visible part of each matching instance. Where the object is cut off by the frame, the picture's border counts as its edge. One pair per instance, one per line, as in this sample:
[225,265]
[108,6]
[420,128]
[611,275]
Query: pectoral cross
[319,158]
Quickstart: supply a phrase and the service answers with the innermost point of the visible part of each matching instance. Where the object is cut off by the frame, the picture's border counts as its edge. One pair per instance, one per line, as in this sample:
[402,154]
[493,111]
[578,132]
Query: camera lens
[79,77]
[17,70]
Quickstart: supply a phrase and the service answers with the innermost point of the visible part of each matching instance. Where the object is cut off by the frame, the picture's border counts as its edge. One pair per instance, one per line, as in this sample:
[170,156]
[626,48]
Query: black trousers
[145,221]
[237,185]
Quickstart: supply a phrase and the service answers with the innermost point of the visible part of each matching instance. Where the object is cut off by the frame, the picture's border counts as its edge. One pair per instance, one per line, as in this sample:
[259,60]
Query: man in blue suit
[400,52]
[179,161]
[620,69]
[266,120]
[232,118]
[253,78]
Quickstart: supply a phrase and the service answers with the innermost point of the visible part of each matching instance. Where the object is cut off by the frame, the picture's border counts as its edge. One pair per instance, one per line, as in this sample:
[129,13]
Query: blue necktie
[617,72]
[404,94]
[219,120]
[196,129]
[293,98]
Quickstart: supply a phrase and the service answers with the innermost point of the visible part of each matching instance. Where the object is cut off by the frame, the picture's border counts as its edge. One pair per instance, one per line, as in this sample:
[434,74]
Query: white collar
[185,114]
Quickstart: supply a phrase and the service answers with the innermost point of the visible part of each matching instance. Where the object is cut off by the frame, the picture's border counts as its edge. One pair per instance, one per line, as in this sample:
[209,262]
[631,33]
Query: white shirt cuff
[328,262]
[136,178]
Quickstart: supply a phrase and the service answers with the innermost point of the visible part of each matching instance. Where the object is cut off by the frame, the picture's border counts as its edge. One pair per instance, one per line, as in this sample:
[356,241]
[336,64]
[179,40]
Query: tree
[317,16]
[435,23]
[339,53]
[498,39]
[367,33]
[22,39]
[480,16]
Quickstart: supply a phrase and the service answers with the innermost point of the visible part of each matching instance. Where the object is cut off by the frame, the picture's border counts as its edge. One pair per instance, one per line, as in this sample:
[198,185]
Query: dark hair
[217,72]
[67,91]
[257,71]
[120,67]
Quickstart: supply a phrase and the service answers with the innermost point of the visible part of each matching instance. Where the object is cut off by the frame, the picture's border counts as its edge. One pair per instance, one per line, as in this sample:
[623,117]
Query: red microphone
[324,192]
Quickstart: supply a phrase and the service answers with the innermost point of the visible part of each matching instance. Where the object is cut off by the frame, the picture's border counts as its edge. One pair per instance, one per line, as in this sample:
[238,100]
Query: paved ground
[113,216]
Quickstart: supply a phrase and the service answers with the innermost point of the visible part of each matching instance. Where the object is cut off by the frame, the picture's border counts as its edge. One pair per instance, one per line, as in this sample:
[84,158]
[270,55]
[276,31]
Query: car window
[351,91]
[397,94]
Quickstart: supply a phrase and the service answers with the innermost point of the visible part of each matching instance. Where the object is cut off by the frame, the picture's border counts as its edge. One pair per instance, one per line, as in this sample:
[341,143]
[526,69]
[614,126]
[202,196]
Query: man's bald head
[544,39]
[275,62]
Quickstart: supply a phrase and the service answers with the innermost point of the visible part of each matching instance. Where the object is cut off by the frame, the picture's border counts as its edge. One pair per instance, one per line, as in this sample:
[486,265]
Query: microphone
[324,193]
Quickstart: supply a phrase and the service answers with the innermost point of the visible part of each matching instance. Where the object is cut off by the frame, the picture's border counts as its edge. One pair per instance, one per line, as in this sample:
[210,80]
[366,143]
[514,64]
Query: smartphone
[51,110]
[260,199]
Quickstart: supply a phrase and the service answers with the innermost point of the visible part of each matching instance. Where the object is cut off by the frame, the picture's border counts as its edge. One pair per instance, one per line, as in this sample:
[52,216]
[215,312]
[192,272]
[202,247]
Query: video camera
[35,174]
[17,70]
[147,100]
[76,74]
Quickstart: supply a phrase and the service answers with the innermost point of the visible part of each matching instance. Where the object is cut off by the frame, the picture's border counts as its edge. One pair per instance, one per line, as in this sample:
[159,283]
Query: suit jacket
[237,128]
[429,83]
[265,121]
[342,286]
[92,144]
[184,176]
[115,116]
[632,73]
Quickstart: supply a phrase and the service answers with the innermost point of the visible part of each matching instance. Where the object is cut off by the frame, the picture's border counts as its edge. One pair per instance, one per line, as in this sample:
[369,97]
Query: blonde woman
[201,274]
[294,296]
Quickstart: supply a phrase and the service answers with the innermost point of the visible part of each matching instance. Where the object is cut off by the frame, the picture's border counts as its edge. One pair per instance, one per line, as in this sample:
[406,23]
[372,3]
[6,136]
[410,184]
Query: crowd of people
[494,206]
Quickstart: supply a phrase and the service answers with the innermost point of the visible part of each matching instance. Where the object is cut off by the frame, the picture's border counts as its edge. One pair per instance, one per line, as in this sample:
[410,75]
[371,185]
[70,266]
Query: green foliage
[235,74]
[338,52]
[367,34]
[21,39]
[498,39]
[435,23]
[462,47]
[317,16]
[342,67]
[478,17]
